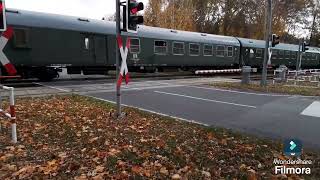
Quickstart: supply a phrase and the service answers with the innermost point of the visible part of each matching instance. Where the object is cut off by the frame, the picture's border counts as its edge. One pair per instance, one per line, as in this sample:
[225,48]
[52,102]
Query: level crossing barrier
[11,115]
[279,75]
[200,72]
[308,75]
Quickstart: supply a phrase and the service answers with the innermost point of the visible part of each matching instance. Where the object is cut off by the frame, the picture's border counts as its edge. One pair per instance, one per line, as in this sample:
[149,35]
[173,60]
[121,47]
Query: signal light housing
[3,22]
[275,40]
[305,46]
[132,20]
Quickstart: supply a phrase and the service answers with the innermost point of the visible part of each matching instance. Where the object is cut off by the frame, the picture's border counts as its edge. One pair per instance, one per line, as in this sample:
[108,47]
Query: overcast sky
[95,9]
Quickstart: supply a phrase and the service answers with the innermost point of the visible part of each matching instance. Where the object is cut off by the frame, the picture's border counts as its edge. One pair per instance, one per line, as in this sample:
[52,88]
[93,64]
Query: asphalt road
[266,115]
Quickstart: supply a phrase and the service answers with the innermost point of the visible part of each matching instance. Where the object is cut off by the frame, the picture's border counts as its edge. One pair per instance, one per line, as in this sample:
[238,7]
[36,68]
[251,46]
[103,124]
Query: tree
[315,28]
[242,18]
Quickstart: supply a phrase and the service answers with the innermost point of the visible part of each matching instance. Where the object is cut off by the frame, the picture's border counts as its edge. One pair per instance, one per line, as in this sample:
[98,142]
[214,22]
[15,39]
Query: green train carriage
[44,43]
[282,54]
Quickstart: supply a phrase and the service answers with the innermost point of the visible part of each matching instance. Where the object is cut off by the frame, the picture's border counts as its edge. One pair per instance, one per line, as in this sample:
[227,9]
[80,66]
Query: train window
[135,46]
[21,38]
[287,54]
[178,48]
[230,51]
[294,55]
[160,47]
[274,54]
[281,54]
[314,57]
[194,49]
[309,56]
[86,43]
[207,50]
[220,51]
[306,56]
[259,53]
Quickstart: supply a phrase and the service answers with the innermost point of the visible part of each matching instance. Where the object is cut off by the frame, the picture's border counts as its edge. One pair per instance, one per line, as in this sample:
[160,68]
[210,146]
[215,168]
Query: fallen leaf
[99,169]
[176,177]
[164,171]
[136,169]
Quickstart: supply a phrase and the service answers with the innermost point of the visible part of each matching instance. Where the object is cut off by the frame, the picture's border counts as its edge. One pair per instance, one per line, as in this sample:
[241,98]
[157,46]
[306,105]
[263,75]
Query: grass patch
[276,88]
[74,137]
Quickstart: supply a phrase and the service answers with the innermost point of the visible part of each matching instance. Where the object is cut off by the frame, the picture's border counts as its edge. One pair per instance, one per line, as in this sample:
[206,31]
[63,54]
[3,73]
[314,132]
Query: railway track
[20,83]
[135,77]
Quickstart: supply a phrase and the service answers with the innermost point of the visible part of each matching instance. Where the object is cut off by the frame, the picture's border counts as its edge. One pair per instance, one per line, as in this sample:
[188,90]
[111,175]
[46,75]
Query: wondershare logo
[292,165]
[292,147]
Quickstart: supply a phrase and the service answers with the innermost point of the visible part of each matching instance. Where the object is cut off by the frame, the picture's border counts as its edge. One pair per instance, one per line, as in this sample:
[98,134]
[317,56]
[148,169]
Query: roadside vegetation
[73,137]
[289,89]
[239,18]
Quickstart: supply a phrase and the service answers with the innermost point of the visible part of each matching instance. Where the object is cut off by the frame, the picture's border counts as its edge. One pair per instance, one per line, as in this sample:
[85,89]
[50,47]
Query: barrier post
[13,117]
[296,78]
[12,112]
[0,104]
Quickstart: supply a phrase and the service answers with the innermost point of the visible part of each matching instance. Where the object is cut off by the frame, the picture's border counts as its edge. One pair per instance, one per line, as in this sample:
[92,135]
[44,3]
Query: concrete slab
[313,110]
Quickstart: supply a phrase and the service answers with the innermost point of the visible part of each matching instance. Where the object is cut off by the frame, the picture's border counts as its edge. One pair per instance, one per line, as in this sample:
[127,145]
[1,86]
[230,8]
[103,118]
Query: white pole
[12,96]
[14,133]
[13,117]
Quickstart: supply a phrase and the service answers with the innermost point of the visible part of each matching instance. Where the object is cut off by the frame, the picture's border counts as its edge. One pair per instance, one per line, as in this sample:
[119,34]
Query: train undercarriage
[51,72]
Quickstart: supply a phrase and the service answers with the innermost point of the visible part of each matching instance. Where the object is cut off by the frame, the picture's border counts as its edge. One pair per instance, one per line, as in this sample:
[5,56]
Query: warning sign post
[124,72]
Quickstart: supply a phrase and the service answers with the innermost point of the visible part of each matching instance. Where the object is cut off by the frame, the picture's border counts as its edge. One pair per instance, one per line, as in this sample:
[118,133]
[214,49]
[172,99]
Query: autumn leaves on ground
[73,137]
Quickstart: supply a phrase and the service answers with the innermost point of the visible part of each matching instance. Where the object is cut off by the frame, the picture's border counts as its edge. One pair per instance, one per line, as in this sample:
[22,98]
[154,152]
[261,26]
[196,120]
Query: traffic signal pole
[299,57]
[130,21]
[267,38]
[118,32]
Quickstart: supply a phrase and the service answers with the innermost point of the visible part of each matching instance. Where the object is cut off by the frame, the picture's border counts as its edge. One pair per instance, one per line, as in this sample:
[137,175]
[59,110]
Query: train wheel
[47,74]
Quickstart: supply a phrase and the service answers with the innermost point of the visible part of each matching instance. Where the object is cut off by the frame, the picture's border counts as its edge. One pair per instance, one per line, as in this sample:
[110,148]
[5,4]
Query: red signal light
[134,10]
[136,7]
[131,17]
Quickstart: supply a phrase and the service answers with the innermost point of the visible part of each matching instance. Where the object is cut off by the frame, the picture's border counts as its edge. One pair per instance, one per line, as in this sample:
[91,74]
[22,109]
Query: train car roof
[55,21]
[186,36]
[251,43]
[314,50]
[282,46]
[261,44]
[46,20]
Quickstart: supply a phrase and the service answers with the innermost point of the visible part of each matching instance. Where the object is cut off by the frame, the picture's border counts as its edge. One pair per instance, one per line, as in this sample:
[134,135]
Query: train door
[245,56]
[100,50]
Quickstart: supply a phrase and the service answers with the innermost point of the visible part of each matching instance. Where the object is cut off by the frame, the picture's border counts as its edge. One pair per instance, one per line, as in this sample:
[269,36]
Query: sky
[95,9]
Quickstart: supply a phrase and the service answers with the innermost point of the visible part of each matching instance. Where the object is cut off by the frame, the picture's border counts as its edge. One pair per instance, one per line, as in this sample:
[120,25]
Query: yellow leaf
[136,169]
[99,169]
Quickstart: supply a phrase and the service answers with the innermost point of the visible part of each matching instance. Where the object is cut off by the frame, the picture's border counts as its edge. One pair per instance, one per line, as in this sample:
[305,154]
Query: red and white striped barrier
[12,113]
[5,37]
[124,72]
[199,72]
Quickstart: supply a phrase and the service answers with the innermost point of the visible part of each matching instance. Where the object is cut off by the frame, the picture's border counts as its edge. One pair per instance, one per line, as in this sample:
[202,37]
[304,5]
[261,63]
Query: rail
[11,114]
